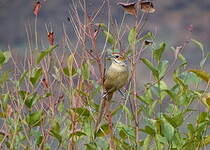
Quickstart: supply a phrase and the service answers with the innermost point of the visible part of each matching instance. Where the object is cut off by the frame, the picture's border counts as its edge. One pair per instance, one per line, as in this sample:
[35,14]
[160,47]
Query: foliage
[54,99]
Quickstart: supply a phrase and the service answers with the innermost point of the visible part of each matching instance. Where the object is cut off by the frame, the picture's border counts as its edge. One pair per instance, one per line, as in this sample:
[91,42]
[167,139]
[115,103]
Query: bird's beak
[109,57]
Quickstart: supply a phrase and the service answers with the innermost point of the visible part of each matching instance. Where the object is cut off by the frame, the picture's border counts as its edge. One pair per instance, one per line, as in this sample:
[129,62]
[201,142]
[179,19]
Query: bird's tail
[104,108]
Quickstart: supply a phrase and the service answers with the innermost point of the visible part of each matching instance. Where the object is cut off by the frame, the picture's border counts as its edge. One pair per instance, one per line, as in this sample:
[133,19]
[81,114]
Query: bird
[116,77]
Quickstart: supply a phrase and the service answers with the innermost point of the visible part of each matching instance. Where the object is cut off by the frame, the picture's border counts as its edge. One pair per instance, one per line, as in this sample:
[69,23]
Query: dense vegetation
[50,99]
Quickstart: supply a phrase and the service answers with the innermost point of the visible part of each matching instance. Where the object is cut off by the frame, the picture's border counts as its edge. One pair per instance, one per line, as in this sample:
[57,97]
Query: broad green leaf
[160,141]
[6,98]
[4,57]
[81,111]
[181,83]
[67,72]
[77,133]
[126,130]
[152,108]
[202,117]
[176,120]
[151,67]
[37,73]
[39,140]
[147,142]
[159,89]
[55,131]
[87,127]
[145,99]
[168,130]
[44,53]
[157,53]
[103,130]
[31,100]
[91,146]
[4,77]
[149,35]
[85,71]
[189,77]
[109,37]
[132,36]
[70,62]
[148,130]
[34,119]
[38,136]
[162,68]
[201,74]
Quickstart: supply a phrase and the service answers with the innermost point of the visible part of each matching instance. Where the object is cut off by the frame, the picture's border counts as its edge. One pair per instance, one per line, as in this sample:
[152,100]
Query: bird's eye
[117,56]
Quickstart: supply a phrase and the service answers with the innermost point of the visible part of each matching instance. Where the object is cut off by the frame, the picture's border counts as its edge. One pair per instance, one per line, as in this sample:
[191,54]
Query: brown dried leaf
[147,7]
[129,8]
[37,8]
[51,38]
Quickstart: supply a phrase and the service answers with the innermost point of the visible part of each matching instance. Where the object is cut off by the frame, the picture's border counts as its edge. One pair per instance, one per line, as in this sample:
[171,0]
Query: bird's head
[118,59]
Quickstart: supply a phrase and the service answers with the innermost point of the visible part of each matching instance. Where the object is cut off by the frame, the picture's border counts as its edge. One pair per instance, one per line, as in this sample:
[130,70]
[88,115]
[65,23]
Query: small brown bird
[116,77]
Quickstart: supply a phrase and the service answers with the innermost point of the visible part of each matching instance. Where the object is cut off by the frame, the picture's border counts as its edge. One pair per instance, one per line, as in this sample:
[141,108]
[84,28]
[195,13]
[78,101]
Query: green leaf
[55,131]
[78,133]
[5,101]
[31,100]
[103,130]
[144,99]
[147,142]
[132,36]
[206,100]
[206,140]
[81,111]
[201,74]
[159,89]
[70,62]
[168,130]
[199,44]
[176,120]
[109,37]
[44,53]
[34,119]
[148,130]
[151,67]
[91,146]
[181,83]
[202,117]
[126,130]
[149,35]
[39,140]
[157,53]
[162,68]
[4,57]
[37,73]
[68,73]
[38,136]
[4,76]
[85,71]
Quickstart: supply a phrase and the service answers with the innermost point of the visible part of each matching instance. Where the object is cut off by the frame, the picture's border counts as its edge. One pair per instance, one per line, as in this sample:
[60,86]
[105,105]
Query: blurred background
[169,22]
